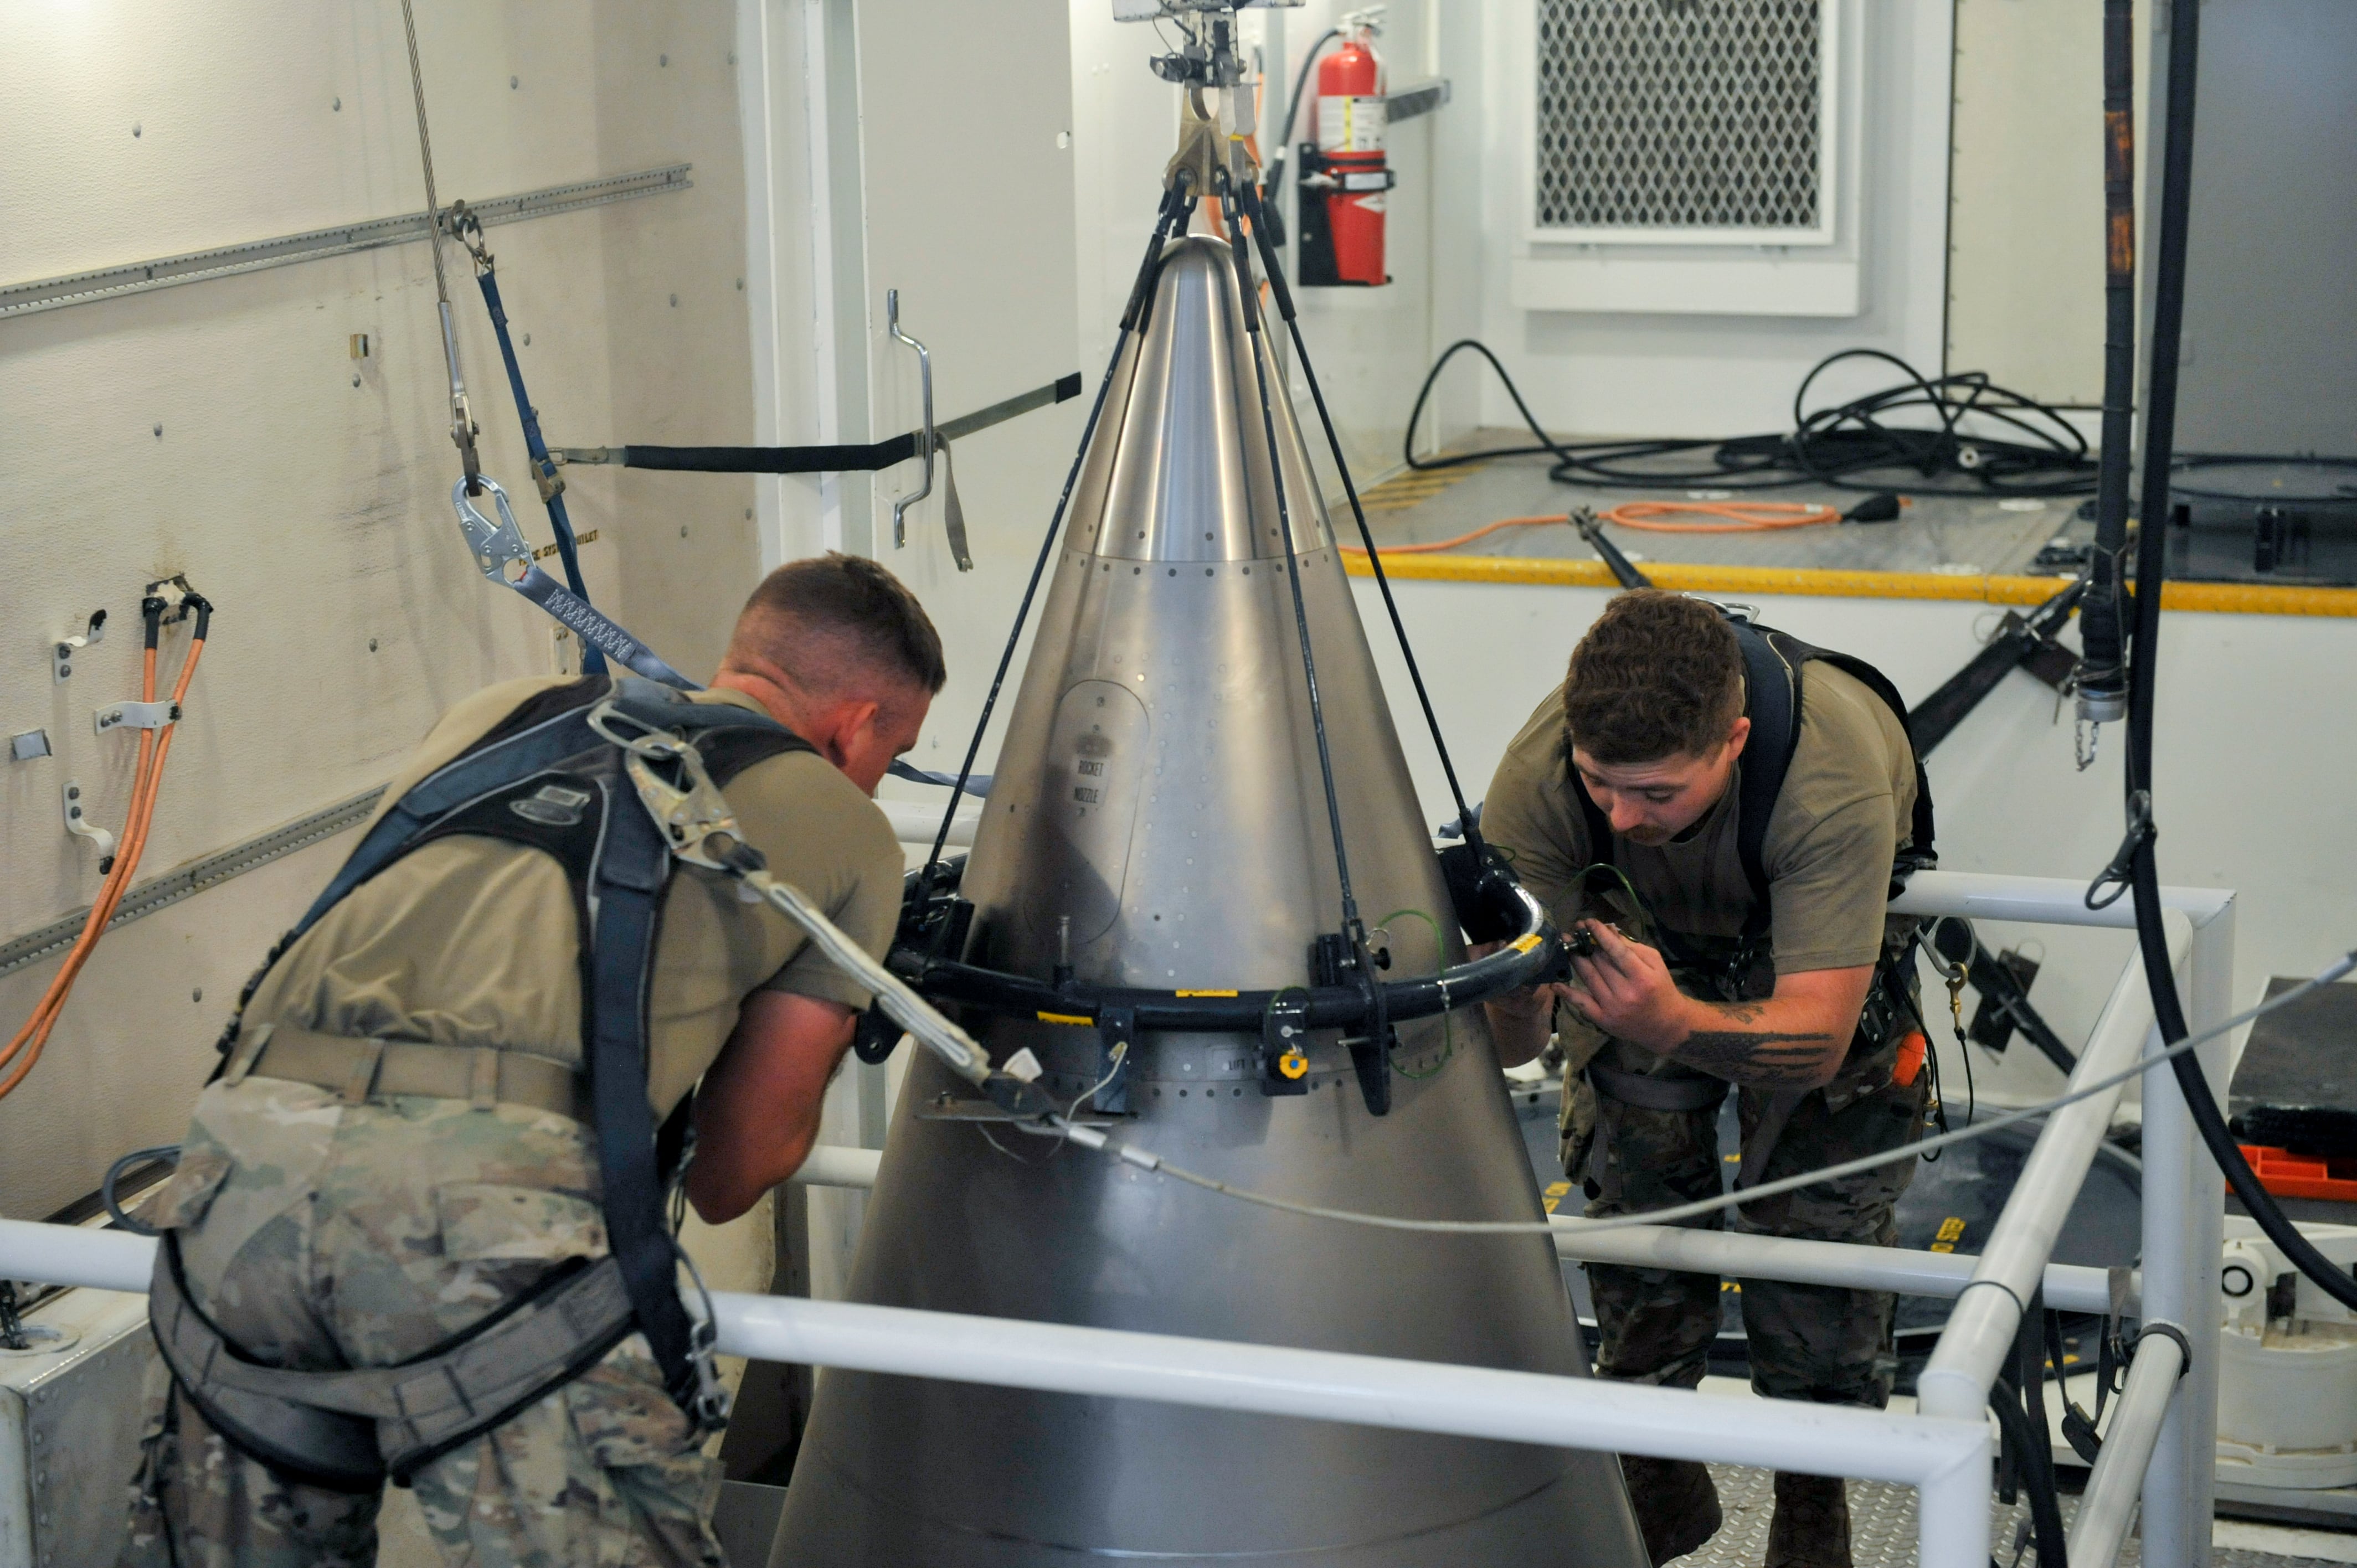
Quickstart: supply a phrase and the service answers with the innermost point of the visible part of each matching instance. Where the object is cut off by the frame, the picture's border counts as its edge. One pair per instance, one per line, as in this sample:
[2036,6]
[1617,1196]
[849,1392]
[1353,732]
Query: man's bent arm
[1795,1038]
[757,1111]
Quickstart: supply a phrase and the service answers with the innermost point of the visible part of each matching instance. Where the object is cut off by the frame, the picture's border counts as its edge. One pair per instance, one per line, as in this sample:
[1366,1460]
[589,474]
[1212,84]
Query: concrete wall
[222,429]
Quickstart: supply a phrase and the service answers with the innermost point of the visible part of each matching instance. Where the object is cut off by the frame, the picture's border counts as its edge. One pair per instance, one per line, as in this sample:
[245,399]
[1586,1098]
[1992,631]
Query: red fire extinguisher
[1344,178]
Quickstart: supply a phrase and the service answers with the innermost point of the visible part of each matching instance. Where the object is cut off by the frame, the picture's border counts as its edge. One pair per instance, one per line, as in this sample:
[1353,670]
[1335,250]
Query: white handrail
[1948,1461]
[1980,1332]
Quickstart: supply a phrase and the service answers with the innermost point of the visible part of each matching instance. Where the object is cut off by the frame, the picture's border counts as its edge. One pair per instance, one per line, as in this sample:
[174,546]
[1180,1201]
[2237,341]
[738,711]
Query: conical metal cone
[1158,820]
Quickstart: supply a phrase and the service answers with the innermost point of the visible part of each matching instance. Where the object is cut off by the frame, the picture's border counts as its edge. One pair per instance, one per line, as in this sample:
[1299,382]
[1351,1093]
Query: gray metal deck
[1965,534]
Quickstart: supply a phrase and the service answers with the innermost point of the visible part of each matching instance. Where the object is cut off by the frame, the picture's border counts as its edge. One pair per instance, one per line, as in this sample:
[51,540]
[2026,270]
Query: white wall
[314,511]
[1370,346]
[1665,374]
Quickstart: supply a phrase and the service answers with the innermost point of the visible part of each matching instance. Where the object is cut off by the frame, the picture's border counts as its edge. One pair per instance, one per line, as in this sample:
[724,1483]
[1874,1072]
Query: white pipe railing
[2184,1219]
[1945,1456]
[1947,1461]
[2109,1503]
[1980,1333]
[1851,1265]
[2044,900]
[838,1164]
[915,822]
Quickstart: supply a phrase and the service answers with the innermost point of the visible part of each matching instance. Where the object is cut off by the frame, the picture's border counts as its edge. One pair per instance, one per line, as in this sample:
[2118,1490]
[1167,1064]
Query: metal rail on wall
[316,244]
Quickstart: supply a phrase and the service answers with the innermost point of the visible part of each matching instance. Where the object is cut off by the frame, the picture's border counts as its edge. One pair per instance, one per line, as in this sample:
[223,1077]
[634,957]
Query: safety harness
[550,779]
[1773,662]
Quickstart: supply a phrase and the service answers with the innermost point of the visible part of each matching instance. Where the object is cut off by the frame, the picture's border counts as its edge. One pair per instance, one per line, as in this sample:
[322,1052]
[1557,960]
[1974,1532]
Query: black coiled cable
[1849,446]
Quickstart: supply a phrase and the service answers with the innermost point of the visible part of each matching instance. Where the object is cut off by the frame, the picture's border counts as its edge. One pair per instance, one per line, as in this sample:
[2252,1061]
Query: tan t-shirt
[473,942]
[1847,802]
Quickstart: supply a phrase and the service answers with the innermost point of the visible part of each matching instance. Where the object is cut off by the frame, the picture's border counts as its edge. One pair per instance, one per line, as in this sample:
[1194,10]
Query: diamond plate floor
[1882,1528]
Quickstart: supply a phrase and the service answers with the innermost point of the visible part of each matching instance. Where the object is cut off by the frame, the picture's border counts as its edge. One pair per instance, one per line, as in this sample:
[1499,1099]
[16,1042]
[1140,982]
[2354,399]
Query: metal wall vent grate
[1680,114]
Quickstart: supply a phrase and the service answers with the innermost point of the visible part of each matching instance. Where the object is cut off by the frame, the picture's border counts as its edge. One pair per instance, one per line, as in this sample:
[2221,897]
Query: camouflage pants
[1806,1342]
[320,1234]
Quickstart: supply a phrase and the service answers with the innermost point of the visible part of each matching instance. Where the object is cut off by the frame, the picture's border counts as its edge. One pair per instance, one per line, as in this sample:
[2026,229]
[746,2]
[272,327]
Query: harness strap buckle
[249,1051]
[358,1087]
[483,1087]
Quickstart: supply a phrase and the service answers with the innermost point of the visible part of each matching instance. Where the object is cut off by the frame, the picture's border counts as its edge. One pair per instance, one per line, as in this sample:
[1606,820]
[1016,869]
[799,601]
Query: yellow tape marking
[1202,994]
[1526,942]
[1066,1018]
[2214,598]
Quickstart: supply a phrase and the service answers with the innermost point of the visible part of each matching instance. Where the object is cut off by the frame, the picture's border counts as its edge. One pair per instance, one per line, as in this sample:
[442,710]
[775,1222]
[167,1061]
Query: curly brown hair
[1658,675]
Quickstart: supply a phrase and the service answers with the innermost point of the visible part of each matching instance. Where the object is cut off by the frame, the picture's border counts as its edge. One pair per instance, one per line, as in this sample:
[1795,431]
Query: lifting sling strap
[542,779]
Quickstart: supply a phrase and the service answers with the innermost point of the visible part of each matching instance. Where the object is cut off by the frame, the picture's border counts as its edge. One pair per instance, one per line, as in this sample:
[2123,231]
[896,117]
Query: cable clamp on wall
[134,715]
[62,651]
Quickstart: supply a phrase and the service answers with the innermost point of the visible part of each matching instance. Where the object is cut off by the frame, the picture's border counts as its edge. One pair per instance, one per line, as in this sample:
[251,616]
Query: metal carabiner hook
[465,228]
[495,545]
[662,745]
[926,442]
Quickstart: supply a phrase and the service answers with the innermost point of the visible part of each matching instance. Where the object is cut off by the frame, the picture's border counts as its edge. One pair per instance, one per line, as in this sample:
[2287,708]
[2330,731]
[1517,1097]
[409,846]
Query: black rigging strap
[857,458]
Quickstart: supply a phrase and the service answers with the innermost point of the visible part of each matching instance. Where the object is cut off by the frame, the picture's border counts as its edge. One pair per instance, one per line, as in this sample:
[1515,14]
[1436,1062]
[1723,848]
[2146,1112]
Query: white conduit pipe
[2109,1503]
[2069,1287]
[1980,1332]
[1947,1460]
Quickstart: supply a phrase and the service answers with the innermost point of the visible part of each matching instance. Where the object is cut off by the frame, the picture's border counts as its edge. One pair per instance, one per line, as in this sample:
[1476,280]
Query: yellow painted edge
[2220,598]
[1066,1018]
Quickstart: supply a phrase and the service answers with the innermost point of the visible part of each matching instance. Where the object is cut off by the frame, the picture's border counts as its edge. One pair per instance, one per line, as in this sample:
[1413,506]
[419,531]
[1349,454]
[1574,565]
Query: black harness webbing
[543,779]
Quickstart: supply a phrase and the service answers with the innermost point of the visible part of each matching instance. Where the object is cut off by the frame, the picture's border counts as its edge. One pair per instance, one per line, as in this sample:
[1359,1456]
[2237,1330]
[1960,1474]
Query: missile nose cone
[1159,823]
[1183,473]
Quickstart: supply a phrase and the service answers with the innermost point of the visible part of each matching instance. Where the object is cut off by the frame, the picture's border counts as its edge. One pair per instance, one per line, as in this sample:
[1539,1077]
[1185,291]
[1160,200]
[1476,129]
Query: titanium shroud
[1158,812]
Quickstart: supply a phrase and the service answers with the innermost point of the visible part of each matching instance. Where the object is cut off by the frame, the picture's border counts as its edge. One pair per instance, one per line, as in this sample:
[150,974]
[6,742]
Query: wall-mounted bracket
[62,651]
[134,716]
[79,825]
[925,441]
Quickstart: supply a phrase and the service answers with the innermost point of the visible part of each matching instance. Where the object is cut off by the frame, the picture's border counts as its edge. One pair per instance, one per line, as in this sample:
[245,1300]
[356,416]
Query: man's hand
[1796,1038]
[1520,1021]
[1626,991]
[757,1111]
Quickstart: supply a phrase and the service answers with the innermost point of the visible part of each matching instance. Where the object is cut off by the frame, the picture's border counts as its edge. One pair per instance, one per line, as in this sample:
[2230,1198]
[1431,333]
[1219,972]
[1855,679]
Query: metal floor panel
[1964,534]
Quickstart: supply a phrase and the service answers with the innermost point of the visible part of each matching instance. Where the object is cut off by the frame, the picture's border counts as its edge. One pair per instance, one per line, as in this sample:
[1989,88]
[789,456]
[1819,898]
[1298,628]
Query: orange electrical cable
[1481,533]
[1744,517]
[155,745]
[1747,517]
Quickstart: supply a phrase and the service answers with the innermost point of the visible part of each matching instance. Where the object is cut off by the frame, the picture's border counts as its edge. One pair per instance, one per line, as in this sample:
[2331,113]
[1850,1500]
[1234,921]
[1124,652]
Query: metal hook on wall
[925,447]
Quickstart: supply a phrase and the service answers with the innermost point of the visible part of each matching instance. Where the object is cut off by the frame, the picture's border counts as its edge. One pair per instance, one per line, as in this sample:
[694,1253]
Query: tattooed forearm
[1767,1058]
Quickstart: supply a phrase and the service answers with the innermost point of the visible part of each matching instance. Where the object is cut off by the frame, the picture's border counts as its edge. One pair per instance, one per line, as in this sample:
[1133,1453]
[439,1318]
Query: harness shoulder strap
[1771,701]
[1792,654]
